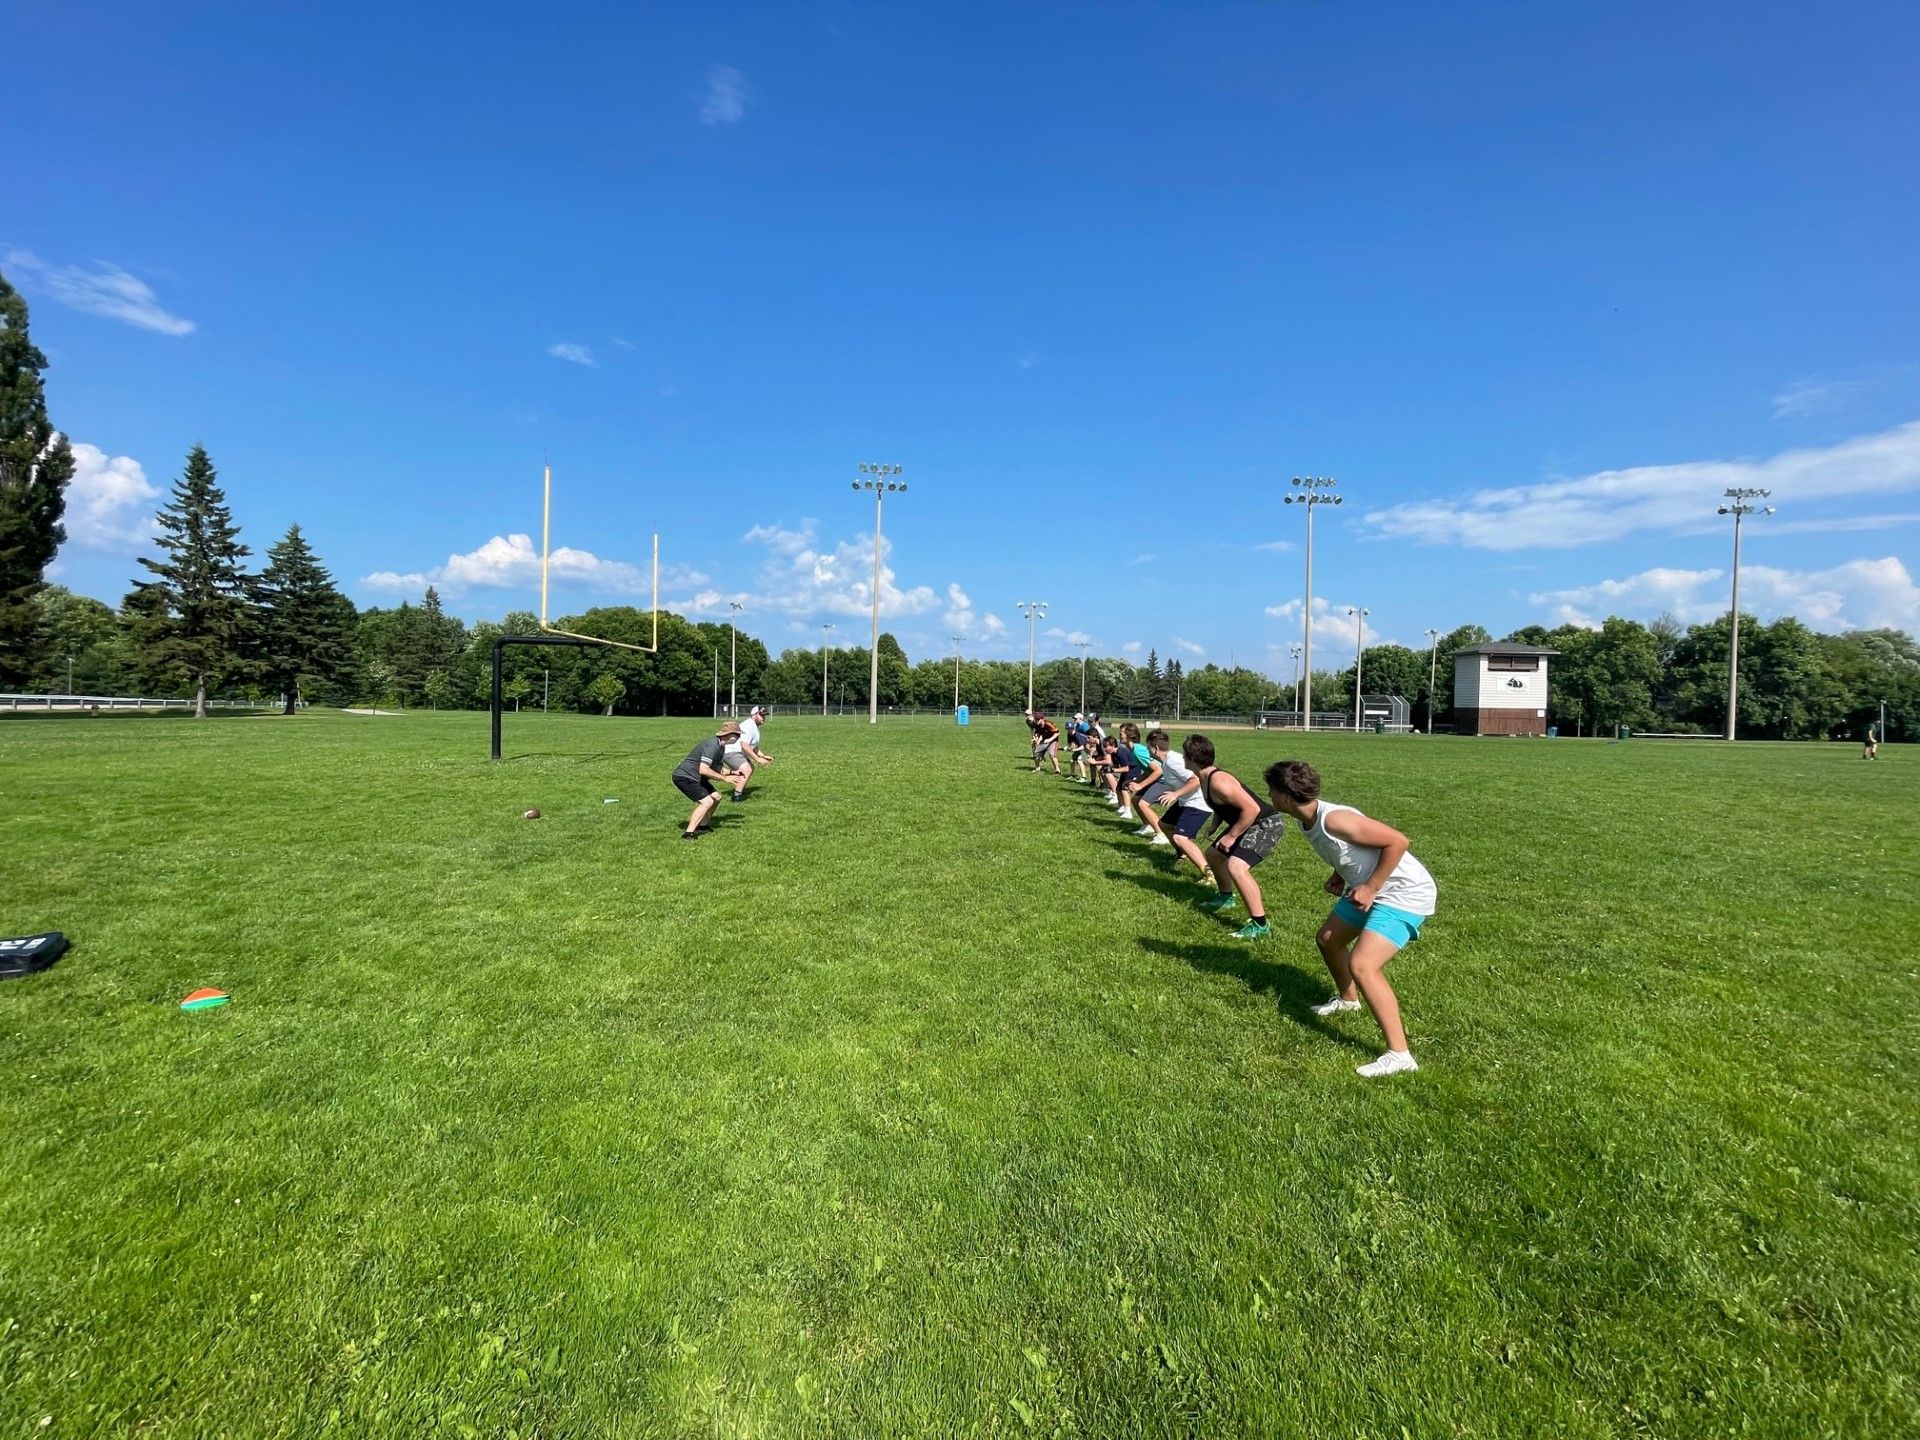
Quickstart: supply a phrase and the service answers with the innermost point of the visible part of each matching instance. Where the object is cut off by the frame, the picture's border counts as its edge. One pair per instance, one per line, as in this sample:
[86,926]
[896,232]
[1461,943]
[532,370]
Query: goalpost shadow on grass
[1296,992]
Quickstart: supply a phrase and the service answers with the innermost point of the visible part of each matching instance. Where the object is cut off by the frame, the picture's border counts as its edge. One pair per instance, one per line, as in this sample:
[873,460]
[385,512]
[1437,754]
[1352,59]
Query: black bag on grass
[30,953]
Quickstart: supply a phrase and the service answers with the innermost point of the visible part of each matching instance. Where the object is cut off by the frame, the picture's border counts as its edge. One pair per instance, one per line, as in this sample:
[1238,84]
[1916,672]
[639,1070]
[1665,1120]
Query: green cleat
[1225,900]
[1253,930]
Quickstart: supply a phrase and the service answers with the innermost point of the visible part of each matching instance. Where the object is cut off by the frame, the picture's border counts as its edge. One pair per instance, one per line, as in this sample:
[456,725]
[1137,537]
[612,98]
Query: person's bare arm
[1246,810]
[1360,830]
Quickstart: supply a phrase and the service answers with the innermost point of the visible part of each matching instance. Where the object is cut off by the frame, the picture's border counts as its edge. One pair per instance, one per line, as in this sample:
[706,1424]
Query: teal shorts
[1402,927]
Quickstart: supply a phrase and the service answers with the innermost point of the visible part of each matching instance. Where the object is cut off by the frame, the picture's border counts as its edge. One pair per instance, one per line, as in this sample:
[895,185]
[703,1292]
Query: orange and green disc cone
[204,1000]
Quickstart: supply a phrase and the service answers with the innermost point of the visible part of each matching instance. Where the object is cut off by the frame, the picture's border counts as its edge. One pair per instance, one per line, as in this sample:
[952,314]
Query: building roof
[1500,647]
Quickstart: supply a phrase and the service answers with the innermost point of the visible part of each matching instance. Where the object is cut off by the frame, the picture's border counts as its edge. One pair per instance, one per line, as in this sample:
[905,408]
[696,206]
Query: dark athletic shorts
[1187,820]
[1258,841]
[1156,792]
[697,788]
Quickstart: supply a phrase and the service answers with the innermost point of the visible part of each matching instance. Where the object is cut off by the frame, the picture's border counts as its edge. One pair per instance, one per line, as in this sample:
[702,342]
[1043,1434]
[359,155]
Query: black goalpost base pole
[500,642]
[496,695]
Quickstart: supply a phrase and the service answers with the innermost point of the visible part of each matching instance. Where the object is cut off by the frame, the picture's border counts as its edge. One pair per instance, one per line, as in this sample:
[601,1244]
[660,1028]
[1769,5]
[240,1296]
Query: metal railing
[116,702]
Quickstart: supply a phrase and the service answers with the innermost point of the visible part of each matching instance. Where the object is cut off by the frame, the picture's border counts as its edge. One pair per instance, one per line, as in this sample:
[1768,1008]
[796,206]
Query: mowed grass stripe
[920,1099]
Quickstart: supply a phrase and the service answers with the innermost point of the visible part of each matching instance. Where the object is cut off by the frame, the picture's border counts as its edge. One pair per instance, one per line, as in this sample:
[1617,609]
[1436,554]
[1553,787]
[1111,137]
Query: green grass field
[920,1100]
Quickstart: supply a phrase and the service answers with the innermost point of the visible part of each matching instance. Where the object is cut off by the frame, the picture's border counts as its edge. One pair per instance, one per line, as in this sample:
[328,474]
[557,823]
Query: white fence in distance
[13,702]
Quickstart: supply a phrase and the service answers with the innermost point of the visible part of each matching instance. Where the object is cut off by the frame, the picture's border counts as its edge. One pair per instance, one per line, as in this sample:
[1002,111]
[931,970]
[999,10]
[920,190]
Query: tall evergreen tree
[35,465]
[306,625]
[204,594]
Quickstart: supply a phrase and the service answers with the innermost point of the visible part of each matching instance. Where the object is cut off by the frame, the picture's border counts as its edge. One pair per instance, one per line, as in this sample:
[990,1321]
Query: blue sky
[1534,282]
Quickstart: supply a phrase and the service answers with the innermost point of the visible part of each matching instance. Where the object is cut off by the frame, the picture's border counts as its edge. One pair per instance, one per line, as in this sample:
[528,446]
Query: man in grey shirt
[694,777]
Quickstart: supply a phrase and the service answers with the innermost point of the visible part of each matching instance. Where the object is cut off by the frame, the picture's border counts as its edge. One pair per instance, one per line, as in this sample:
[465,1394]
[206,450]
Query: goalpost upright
[549,634]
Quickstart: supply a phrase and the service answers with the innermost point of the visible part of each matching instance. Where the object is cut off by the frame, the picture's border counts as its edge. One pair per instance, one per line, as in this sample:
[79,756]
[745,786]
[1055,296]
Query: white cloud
[1141,559]
[1132,647]
[1026,360]
[1842,524]
[511,561]
[1860,594]
[1614,503]
[104,290]
[1279,547]
[567,350]
[1817,397]
[800,576]
[1333,627]
[1188,647]
[623,343]
[1072,637]
[726,97]
[109,501]
[962,619]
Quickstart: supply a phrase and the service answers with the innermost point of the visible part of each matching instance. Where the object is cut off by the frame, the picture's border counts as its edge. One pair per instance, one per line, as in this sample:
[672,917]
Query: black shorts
[1187,820]
[693,787]
[1259,839]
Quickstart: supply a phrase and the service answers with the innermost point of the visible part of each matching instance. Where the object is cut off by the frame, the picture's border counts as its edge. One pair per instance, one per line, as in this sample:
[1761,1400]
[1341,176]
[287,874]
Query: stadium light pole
[1294,650]
[734,607]
[1085,646]
[825,630]
[716,682]
[958,640]
[880,481]
[1433,657]
[1034,610]
[1359,649]
[1740,506]
[1310,491]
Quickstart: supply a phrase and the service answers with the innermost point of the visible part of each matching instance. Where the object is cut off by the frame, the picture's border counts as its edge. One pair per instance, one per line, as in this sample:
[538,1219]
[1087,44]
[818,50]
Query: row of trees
[204,623]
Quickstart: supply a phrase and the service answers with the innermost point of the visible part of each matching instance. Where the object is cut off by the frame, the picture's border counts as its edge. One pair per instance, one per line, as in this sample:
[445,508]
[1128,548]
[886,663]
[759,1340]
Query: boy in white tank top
[1385,895]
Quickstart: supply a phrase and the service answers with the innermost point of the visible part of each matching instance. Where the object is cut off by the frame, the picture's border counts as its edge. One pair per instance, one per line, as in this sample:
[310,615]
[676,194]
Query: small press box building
[1500,690]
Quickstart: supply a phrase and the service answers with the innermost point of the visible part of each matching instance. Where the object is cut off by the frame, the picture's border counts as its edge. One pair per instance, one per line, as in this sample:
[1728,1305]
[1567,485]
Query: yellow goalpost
[546,536]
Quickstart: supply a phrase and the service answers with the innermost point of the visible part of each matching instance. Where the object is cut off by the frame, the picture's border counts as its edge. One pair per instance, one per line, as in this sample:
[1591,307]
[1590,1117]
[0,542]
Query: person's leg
[1218,864]
[1335,939]
[742,767]
[1371,952]
[1181,831]
[708,803]
[1242,875]
[1053,754]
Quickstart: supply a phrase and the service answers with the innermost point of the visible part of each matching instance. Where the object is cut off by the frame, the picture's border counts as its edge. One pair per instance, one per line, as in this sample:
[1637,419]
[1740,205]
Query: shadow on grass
[1295,992]
[1162,879]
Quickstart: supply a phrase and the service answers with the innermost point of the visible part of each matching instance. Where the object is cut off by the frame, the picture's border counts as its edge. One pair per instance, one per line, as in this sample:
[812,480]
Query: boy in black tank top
[1245,832]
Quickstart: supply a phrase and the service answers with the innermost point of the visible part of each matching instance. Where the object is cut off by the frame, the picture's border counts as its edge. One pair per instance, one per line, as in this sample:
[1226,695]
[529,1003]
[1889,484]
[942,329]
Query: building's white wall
[1476,687]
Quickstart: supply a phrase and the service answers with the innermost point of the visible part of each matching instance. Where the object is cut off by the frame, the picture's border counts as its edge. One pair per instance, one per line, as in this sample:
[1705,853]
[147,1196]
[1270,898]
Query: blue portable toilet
[960,716]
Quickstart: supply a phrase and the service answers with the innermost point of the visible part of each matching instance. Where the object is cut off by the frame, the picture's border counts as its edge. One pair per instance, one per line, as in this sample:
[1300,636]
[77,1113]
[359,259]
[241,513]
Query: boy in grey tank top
[1384,895]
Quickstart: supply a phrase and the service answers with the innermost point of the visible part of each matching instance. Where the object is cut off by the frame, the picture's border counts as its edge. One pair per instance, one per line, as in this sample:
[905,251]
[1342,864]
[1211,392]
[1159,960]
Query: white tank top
[1409,888]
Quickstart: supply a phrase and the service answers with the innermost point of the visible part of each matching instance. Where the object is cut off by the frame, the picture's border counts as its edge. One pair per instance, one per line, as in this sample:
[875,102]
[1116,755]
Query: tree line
[204,622]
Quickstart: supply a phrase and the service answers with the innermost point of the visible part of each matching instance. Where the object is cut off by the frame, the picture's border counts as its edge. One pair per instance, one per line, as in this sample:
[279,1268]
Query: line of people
[1209,818]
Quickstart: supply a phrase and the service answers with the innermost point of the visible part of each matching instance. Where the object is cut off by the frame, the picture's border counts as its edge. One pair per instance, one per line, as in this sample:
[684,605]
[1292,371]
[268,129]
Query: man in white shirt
[744,752]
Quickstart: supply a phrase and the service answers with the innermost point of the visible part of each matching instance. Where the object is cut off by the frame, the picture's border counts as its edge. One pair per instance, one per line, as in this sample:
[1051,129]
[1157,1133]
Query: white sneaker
[1111,802]
[1335,1006]
[1159,839]
[1126,812]
[1391,1063]
[1145,830]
